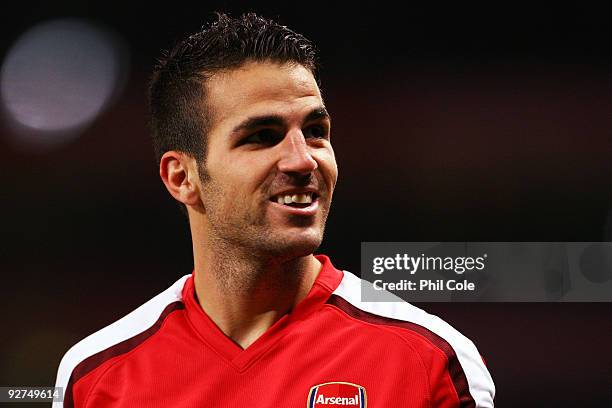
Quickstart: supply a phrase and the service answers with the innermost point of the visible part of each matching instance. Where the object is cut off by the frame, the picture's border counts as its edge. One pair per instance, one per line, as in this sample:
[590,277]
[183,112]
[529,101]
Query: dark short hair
[180,118]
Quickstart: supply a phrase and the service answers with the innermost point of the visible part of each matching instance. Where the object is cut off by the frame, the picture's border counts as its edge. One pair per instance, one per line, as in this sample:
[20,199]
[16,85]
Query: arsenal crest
[337,394]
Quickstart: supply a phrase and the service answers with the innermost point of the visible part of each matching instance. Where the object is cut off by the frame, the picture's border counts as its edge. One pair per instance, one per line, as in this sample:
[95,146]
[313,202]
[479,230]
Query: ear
[179,173]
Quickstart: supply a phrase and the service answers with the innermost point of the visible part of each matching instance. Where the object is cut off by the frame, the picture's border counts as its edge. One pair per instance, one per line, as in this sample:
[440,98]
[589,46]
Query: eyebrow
[275,120]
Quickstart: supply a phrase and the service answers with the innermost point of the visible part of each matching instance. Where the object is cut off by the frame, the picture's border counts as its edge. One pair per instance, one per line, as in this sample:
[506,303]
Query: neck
[246,294]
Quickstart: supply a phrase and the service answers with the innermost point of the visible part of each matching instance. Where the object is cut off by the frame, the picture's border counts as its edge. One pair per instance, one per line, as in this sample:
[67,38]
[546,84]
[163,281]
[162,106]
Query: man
[243,141]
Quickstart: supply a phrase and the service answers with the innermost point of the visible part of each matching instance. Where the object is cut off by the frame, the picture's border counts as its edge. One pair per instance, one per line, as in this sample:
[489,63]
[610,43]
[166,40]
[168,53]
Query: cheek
[221,201]
[230,187]
[329,168]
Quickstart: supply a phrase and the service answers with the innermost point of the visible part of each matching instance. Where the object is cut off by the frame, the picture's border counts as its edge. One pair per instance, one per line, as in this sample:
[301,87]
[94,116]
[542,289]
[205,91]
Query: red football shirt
[332,350]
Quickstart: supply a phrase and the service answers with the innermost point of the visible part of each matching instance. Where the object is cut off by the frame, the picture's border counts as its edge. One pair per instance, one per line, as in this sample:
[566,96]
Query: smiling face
[270,169]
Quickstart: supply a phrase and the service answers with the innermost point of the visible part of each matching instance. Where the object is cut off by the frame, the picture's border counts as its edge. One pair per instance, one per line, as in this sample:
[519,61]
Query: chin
[297,246]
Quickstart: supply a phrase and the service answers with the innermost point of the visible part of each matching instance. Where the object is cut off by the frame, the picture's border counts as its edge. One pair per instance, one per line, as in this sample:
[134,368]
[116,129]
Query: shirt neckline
[326,282]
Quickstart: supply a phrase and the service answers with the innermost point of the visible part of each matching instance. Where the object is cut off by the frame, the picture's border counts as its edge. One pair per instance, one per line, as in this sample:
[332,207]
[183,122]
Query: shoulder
[462,361]
[117,338]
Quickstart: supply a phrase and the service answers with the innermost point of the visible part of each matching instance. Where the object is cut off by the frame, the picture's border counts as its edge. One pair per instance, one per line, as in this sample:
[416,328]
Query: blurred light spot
[58,77]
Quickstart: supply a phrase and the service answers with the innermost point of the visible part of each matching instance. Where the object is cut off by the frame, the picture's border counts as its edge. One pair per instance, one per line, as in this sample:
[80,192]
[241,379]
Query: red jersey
[332,350]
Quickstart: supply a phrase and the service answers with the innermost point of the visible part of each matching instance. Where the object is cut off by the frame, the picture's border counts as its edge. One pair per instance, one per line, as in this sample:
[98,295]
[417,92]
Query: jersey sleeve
[456,372]
[449,385]
[87,361]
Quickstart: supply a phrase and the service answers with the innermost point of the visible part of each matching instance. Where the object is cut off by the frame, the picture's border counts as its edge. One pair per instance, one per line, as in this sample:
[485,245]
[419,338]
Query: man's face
[270,169]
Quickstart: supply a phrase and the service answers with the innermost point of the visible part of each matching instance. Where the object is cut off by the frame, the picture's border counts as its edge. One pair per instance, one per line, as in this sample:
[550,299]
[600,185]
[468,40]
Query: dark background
[449,124]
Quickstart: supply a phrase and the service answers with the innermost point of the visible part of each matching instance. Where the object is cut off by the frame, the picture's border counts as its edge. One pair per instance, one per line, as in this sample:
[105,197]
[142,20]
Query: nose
[295,154]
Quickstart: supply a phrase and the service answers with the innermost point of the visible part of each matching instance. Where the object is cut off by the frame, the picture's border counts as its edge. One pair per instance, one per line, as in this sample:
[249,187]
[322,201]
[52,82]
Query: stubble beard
[245,247]
[249,234]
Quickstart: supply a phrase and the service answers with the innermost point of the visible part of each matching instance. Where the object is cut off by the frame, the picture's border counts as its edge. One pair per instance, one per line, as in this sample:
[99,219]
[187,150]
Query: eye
[264,137]
[317,132]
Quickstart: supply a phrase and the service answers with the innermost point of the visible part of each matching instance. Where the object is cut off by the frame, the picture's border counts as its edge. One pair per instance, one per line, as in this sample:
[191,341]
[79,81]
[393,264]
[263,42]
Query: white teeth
[302,198]
[294,198]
